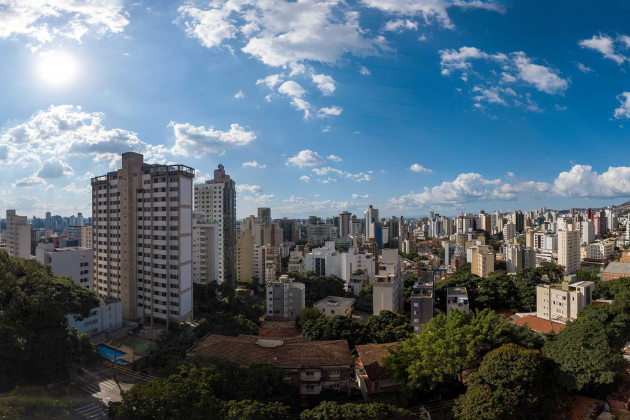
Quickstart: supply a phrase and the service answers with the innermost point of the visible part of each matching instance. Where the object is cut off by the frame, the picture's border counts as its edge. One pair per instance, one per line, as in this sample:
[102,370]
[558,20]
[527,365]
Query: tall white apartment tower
[371,216]
[569,250]
[217,199]
[142,239]
[18,236]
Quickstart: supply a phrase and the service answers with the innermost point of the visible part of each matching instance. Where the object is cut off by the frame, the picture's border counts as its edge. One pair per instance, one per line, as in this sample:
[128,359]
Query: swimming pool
[108,352]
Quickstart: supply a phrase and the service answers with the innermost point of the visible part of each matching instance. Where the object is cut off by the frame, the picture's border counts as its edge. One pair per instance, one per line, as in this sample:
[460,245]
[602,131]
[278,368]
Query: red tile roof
[371,357]
[296,352]
[540,325]
[279,332]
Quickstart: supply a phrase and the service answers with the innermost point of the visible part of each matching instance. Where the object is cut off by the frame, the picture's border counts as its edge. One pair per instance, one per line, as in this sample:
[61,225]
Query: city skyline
[408,107]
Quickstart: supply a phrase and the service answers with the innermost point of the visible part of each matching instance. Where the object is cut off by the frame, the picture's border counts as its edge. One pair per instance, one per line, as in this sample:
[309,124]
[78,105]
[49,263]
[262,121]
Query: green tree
[334,328]
[461,278]
[584,356]
[388,327]
[225,324]
[365,301]
[254,410]
[330,410]
[555,272]
[495,292]
[306,315]
[525,282]
[33,403]
[609,289]
[34,338]
[447,346]
[318,287]
[500,265]
[511,383]
[33,246]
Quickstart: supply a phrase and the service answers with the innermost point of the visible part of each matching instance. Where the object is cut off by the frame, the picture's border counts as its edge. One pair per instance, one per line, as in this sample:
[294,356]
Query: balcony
[314,376]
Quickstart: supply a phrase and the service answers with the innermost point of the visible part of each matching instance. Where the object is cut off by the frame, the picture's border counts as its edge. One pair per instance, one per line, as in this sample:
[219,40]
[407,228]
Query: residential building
[509,231]
[77,262]
[569,250]
[587,232]
[344,224]
[296,260]
[285,298]
[106,317]
[357,282]
[205,249]
[289,230]
[422,302]
[456,298]
[81,233]
[518,257]
[142,230]
[217,199]
[321,233]
[388,285]
[375,381]
[600,250]
[244,256]
[335,306]
[18,236]
[562,302]
[481,260]
[450,250]
[309,366]
[371,222]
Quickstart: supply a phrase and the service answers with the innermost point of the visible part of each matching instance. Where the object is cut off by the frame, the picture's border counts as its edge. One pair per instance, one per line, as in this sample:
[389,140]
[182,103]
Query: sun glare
[58,68]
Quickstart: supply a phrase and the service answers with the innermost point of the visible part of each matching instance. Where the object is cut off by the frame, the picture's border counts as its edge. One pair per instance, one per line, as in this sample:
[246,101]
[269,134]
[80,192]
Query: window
[334,373]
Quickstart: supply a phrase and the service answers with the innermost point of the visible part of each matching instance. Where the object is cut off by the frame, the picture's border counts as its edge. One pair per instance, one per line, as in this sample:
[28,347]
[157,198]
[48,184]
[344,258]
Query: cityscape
[314,209]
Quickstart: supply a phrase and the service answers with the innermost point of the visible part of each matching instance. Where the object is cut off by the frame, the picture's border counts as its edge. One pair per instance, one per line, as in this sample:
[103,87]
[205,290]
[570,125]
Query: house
[335,306]
[309,366]
[374,379]
[457,298]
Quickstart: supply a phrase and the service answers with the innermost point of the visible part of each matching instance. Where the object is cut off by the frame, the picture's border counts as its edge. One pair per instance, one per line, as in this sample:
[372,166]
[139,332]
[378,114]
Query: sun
[58,68]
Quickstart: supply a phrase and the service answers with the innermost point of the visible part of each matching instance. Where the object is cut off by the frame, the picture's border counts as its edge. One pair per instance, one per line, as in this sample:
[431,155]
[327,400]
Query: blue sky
[409,105]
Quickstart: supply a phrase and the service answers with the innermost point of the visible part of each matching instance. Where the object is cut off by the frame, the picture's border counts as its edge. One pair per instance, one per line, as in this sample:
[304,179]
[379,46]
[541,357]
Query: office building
[77,262]
[142,239]
[285,298]
[217,199]
[18,236]
[569,250]
[289,230]
[344,224]
[264,214]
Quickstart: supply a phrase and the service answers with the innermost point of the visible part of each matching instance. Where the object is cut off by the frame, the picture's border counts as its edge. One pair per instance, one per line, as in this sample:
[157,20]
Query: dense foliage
[306,315]
[34,337]
[329,410]
[318,287]
[33,403]
[365,301]
[209,388]
[512,383]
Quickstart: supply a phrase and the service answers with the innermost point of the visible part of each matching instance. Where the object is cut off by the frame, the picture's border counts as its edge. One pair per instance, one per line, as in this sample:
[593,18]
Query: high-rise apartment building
[142,239]
[481,260]
[509,231]
[18,236]
[205,250]
[371,222]
[76,262]
[285,298]
[569,250]
[217,199]
[587,232]
[344,224]
[289,231]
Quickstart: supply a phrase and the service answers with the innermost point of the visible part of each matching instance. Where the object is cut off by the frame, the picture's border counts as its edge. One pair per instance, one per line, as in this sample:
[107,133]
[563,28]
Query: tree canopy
[330,410]
[511,383]
[34,337]
[365,301]
[30,402]
[318,287]
[388,327]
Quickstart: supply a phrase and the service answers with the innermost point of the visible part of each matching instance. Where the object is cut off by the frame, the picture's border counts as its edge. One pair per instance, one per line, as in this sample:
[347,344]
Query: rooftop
[539,325]
[245,350]
[334,302]
[457,291]
[371,357]
[618,268]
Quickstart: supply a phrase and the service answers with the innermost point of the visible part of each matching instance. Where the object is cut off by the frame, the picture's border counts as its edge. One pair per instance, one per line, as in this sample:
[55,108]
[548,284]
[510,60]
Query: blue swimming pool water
[109,352]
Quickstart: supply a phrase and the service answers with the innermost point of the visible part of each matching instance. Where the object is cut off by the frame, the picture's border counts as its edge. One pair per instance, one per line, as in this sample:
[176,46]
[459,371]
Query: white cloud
[261,198]
[583,68]
[364,71]
[54,168]
[197,141]
[582,181]
[360,177]
[324,83]
[326,129]
[624,109]
[281,33]
[46,20]
[239,95]
[291,88]
[400,25]
[253,164]
[271,81]
[422,38]
[303,207]
[544,78]
[31,181]
[510,174]
[305,178]
[430,11]
[306,158]
[75,189]
[606,46]
[88,175]
[560,108]
[420,169]
[334,158]
[329,111]
[357,196]
[248,188]
[302,105]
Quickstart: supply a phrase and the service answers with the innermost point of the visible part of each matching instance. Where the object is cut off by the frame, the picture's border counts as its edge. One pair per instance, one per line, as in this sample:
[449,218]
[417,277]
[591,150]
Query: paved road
[91,392]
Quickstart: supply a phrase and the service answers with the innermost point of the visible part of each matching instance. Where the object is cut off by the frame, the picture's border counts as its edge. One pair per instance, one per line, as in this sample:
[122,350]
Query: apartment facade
[77,262]
[285,298]
[457,298]
[569,250]
[563,302]
[18,236]
[142,239]
[205,239]
[422,302]
[481,260]
[217,199]
[388,285]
